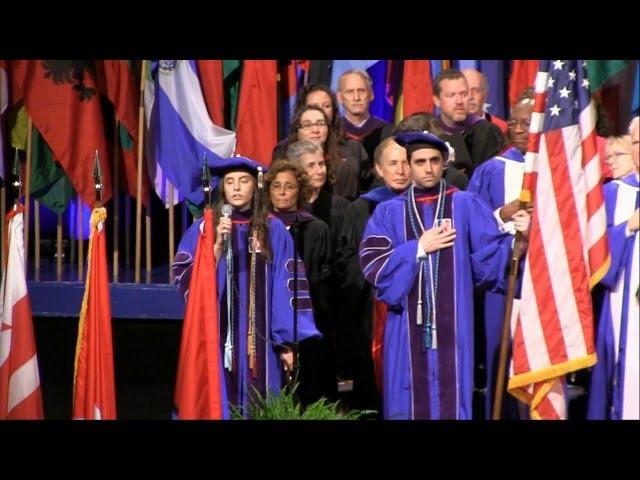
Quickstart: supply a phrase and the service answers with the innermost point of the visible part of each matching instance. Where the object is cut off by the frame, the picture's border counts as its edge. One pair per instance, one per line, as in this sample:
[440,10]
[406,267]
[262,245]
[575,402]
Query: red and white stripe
[568,253]
[20,396]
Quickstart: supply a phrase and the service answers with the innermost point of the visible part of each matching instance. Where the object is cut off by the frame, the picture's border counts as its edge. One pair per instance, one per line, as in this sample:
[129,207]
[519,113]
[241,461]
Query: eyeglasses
[617,154]
[310,125]
[514,122]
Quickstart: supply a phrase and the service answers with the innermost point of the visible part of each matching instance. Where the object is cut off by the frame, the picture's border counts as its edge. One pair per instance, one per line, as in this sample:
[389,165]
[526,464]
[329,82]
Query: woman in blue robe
[254,255]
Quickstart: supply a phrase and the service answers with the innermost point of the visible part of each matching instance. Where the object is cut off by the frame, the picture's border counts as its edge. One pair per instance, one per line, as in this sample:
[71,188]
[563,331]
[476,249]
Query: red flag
[199,391]
[93,387]
[417,91]
[377,345]
[212,83]
[117,81]
[62,100]
[568,251]
[20,395]
[523,75]
[257,126]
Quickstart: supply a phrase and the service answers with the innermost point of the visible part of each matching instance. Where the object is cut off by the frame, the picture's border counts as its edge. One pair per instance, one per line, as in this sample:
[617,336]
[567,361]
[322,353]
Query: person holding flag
[255,284]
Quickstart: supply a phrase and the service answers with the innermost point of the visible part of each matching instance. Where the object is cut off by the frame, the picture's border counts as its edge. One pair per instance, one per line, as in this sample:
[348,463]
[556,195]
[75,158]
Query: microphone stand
[296,350]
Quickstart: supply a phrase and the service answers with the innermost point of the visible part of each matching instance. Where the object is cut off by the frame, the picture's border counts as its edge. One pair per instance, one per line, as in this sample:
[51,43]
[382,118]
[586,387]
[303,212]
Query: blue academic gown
[432,384]
[274,305]
[497,181]
[614,383]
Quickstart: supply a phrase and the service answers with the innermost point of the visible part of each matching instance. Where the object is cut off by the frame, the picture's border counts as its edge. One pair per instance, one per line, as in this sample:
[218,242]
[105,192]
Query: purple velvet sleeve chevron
[374,253]
[388,261]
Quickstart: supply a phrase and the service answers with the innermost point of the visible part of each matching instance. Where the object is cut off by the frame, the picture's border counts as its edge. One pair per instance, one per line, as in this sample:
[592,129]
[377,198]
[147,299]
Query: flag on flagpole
[20,395]
[62,100]
[200,393]
[212,83]
[417,91]
[568,254]
[257,126]
[613,83]
[117,80]
[93,381]
[4,103]
[180,130]
[523,75]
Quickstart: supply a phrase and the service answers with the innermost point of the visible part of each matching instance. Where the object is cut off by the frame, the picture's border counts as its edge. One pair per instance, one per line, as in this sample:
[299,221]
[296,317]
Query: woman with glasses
[618,157]
[351,169]
[615,381]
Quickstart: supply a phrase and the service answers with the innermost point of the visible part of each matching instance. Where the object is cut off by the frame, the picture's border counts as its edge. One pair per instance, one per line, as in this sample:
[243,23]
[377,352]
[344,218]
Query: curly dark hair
[330,146]
[304,190]
[336,123]
[259,222]
[419,122]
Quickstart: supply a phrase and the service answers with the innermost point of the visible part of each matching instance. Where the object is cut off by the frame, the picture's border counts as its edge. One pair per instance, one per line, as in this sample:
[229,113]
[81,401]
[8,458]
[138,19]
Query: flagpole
[72,243]
[80,231]
[36,228]
[148,243]
[172,228]
[59,248]
[127,232]
[27,195]
[97,180]
[519,249]
[183,220]
[3,207]
[116,200]
[139,174]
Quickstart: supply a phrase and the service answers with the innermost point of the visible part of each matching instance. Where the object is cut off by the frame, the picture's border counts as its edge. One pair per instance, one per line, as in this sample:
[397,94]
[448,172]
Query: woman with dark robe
[289,191]
[346,160]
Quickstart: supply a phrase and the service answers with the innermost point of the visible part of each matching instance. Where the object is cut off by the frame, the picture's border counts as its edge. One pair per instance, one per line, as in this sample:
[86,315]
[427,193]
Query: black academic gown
[317,356]
[355,332]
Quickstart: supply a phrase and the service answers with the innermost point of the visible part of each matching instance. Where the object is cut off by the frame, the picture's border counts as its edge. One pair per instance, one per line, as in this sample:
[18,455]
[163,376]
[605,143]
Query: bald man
[478,93]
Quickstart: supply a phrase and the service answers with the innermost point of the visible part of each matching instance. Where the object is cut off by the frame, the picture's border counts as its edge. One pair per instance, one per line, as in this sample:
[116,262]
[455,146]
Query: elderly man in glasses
[615,381]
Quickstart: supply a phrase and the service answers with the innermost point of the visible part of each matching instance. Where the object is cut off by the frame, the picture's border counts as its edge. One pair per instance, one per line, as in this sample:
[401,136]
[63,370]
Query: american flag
[568,251]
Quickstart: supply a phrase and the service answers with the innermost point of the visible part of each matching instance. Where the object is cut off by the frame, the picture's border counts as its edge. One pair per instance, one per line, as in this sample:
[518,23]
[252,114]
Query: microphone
[227,210]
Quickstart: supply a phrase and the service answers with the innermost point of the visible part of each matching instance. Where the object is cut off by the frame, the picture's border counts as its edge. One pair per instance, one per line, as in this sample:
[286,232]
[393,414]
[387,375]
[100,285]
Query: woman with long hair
[255,268]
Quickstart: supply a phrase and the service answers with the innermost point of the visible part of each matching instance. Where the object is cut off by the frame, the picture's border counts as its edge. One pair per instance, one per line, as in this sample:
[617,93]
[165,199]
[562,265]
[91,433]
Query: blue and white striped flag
[180,130]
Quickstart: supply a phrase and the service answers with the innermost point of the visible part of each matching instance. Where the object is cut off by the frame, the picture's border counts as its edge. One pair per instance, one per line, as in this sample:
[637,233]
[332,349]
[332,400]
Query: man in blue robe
[406,255]
[615,387]
[498,182]
[254,252]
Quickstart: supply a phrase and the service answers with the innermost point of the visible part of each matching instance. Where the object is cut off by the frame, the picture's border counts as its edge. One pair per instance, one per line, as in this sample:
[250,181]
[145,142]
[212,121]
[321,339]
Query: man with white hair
[355,94]
[478,93]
